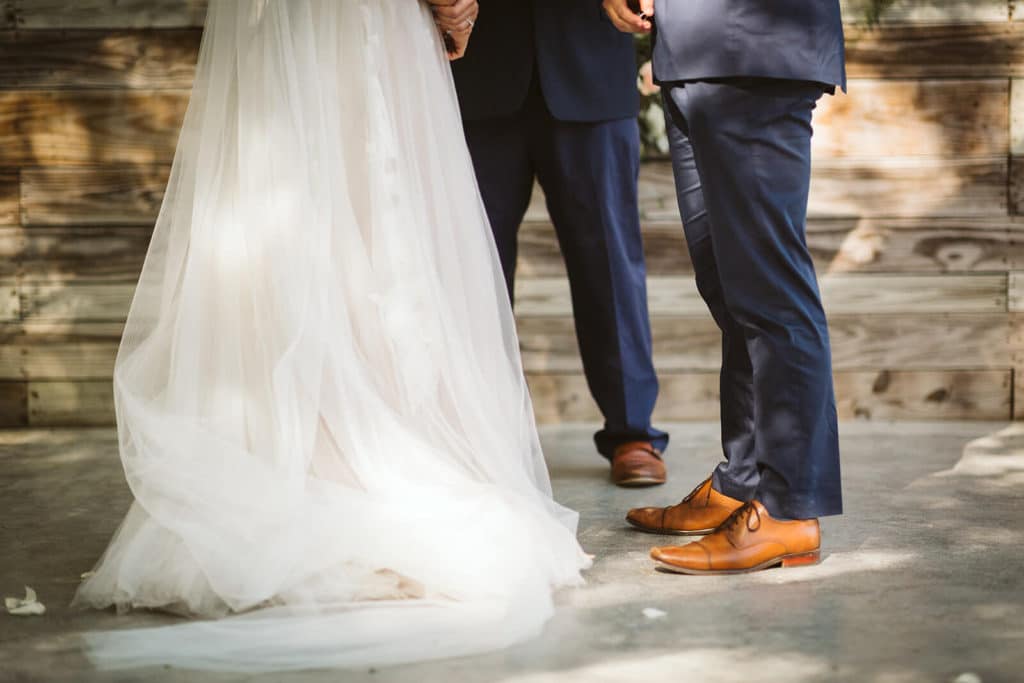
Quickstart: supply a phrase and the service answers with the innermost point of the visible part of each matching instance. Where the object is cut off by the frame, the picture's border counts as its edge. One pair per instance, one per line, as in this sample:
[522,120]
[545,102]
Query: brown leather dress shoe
[699,513]
[637,464]
[748,541]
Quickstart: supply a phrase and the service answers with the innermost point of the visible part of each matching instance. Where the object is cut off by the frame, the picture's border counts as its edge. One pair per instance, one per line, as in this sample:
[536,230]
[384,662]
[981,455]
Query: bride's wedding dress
[320,402]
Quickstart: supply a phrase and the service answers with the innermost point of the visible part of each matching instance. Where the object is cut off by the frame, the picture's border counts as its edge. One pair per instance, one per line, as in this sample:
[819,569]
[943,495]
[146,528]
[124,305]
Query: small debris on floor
[29,606]
[654,613]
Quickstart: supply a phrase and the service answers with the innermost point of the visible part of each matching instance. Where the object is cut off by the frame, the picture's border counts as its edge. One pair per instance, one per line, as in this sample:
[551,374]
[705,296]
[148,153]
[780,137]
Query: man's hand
[625,18]
[455,15]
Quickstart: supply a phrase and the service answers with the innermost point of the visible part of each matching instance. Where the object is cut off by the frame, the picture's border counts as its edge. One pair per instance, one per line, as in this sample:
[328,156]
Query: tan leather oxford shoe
[637,464]
[699,513]
[748,541]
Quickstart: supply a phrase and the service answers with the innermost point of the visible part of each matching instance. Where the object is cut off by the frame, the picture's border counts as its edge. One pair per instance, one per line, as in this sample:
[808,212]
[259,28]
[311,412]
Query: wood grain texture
[842,245]
[10,304]
[890,187]
[908,118]
[9,200]
[929,11]
[1015,291]
[1017,115]
[74,14]
[549,297]
[843,294]
[74,254]
[894,188]
[938,341]
[58,352]
[81,301]
[89,126]
[879,395]
[123,195]
[13,404]
[909,187]
[958,50]
[71,404]
[1015,189]
[924,395]
[48,59]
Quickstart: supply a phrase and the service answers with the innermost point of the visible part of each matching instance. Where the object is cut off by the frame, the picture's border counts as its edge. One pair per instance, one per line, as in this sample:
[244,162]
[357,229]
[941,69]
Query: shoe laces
[745,513]
[692,494]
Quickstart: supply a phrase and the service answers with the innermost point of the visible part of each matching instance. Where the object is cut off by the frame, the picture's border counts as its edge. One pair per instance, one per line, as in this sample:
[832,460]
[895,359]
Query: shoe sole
[786,561]
[639,482]
[668,532]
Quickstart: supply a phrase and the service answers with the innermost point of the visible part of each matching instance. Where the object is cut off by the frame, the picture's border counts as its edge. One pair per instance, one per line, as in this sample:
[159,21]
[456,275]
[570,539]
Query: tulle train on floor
[321,407]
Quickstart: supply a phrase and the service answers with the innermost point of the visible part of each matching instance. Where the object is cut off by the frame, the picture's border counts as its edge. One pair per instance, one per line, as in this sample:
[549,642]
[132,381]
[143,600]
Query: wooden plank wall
[916,225]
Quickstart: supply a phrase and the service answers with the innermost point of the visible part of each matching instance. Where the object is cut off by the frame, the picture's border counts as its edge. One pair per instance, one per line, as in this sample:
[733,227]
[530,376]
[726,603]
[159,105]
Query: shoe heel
[803,559]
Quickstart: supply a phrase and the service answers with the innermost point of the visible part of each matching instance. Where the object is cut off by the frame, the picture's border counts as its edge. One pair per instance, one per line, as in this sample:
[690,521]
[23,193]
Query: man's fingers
[647,7]
[624,19]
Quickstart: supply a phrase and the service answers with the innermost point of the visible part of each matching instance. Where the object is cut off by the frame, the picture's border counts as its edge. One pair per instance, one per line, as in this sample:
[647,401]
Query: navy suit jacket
[587,68]
[791,39]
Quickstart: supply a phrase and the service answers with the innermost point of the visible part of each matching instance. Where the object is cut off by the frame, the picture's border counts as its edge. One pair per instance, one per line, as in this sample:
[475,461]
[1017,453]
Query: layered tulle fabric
[321,407]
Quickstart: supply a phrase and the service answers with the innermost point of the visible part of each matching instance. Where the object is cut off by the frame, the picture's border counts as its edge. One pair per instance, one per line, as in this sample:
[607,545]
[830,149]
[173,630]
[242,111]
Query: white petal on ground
[654,613]
[29,606]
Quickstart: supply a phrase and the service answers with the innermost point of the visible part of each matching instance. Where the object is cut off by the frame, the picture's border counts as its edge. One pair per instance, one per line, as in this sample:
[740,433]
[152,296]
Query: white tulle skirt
[320,402]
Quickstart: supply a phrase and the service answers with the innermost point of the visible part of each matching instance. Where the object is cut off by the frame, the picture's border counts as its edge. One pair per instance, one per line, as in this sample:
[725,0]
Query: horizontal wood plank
[13,404]
[924,395]
[81,301]
[894,187]
[879,395]
[841,188]
[928,11]
[859,342]
[843,294]
[967,341]
[58,351]
[125,195]
[74,254]
[907,187]
[9,199]
[957,50]
[907,118]
[71,404]
[839,245]
[50,59]
[75,14]
[89,126]
[930,118]
[559,398]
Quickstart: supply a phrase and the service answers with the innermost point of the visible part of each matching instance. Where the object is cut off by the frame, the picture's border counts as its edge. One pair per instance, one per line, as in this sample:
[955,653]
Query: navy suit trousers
[589,175]
[741,152]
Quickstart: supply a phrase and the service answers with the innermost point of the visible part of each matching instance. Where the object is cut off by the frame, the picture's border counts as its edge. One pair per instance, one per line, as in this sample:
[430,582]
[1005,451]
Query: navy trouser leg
[504,172]
[749,141]
[589,175]
[738,475]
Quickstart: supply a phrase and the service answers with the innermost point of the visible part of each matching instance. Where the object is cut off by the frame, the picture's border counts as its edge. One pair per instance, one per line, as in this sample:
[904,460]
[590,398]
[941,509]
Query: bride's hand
[455,43]
[455,15]
[455,19]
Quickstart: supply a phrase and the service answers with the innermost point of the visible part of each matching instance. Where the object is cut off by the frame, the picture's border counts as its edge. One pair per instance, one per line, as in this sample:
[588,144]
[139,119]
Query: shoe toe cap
[649,518]
[689,556]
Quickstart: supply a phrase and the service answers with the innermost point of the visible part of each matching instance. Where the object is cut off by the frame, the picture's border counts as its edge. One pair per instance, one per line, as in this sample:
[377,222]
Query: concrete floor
[923,579]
